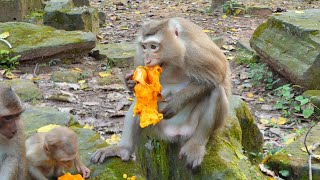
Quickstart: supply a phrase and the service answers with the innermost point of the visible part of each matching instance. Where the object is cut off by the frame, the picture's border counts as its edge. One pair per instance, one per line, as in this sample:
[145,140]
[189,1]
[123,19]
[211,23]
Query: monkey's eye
[153,46]
[143,46]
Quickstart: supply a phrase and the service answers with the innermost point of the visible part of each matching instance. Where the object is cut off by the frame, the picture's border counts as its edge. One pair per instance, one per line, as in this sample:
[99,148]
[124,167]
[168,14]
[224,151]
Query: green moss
[252,139]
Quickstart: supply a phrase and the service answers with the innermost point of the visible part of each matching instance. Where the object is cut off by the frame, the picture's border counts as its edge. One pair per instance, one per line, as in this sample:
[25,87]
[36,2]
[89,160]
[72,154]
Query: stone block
[290,43]
[61,14]
[16,10]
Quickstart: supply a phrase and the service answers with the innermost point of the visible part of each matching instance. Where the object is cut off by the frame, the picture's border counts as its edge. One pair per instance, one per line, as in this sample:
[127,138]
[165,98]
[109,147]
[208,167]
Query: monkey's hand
[100,155]
[171,108]
[84,170]
[9,167]
[128,81]
[194,153]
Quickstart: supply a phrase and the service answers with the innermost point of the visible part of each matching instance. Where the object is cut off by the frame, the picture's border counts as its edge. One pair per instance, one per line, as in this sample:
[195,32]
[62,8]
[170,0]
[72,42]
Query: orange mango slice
[147,91]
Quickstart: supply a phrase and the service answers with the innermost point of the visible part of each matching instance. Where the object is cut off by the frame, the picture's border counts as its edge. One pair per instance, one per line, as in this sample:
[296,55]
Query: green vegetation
[258,71]
[290,103]
[36,14]
[232,7]
[7,61]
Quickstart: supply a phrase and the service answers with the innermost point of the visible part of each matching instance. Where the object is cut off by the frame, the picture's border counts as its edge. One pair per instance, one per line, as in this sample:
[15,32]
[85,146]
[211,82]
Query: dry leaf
[224,16]
[206,30]
[304,148]
[81,81]
[47,128]
[4,35]
[299,12]
[130,99]
[289,141]
[249,95]
[88,126]
[76,70]
[104,74]
[114,139]
[261,99]
[265,121]
[137,12]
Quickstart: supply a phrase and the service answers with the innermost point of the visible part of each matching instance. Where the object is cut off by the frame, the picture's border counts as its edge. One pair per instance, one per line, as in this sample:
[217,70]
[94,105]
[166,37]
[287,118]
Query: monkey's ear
[175,26]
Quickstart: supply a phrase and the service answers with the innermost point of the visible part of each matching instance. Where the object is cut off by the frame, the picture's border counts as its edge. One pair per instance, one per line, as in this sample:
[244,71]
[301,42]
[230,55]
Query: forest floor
[105,108]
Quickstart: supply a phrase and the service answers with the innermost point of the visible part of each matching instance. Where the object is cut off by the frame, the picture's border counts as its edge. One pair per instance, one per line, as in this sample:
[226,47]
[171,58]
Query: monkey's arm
[35,173]
[192,92]
[81,167]
[126,146]
[9,168]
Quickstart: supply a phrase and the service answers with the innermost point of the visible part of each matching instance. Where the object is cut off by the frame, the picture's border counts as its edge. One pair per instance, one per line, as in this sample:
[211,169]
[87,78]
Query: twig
[6,42]
[309,153]
[35,70]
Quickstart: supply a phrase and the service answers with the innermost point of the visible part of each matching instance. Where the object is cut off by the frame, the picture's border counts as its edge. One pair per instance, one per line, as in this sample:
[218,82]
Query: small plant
[8,62]
[232,7]
[259,73]
[288,102]
[36,14]
[244,57]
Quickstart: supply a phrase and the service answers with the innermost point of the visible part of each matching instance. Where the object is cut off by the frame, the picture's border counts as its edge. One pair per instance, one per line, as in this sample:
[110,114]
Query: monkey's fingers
[167,113]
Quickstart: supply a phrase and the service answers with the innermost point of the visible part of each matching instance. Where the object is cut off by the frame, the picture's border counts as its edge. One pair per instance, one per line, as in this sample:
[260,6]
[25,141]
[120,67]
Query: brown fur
[195,84]
[12,151]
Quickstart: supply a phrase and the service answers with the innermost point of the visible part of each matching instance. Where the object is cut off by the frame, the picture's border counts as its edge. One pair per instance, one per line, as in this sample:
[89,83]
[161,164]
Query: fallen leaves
[114,139]
[4,35]
[47,128]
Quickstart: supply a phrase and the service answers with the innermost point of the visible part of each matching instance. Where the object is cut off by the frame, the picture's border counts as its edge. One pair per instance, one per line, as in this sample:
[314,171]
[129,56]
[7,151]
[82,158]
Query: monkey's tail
[222,107]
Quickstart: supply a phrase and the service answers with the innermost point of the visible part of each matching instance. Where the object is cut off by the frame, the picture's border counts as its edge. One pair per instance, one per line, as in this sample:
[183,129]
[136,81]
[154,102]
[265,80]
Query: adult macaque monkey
[195,85]
[12,148]
[51,153]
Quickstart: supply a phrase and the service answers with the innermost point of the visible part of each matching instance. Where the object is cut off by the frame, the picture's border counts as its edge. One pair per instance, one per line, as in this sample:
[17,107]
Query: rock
[16,10]
[290,43]
[102,18]
[216,3]
[65,76]
[79,3]
[294,160]
[40,42]
[62,14]
[119,54]
[224,158]
[219,41]
[259,11]
[314,96]
[36,117]
[26,89]
[89,141]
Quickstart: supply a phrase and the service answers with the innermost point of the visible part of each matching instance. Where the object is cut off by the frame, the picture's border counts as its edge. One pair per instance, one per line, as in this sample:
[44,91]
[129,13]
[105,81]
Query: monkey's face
[151,48]
[8,125]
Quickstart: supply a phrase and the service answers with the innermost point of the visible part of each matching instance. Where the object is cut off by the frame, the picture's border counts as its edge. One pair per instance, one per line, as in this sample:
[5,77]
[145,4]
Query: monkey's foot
[193,153]
[101,154]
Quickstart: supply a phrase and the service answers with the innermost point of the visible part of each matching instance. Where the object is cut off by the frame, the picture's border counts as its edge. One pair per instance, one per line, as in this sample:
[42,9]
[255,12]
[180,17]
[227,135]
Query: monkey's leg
[192,92]
[9,168]
[35,173]
[213,112]
[126,146]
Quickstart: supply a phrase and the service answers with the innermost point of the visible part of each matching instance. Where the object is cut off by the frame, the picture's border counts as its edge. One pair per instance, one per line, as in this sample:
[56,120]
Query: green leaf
[284,173]
[304,101]
[278,105]
[307,112]
[299,98]
[297,107]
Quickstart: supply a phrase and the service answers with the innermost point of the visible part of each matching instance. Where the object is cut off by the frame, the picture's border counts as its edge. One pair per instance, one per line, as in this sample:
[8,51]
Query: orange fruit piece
[147,91]
[69,176]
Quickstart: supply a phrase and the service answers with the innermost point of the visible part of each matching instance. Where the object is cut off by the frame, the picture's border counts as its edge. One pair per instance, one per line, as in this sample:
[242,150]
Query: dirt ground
[104,108]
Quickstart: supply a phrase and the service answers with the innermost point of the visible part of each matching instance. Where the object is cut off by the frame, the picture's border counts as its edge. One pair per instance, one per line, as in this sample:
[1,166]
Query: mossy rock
[118,54]
[89,141]
[40,42]
[290,43]
[65,76]
[113,168]
[36,117]
[294,160]
[26,89]
[224,158]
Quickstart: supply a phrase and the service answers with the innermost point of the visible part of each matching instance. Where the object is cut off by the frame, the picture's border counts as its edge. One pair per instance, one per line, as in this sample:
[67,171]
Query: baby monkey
[53,152]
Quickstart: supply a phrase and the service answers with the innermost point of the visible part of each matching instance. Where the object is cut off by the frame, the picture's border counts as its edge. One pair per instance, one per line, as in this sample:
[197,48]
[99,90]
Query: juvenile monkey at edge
[195,85]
